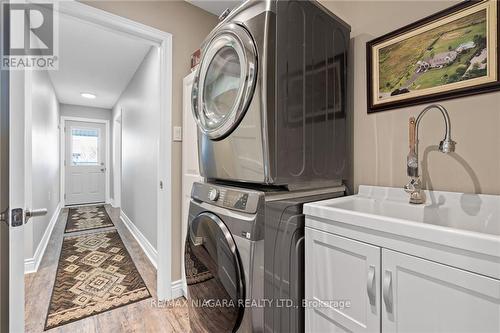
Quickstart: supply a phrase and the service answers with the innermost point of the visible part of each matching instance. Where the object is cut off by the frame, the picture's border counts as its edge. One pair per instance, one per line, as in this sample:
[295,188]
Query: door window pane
[84,146]
[222,83]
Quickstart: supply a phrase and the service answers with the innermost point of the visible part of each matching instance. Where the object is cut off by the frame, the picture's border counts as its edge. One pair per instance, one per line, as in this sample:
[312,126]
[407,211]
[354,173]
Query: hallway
[143,316]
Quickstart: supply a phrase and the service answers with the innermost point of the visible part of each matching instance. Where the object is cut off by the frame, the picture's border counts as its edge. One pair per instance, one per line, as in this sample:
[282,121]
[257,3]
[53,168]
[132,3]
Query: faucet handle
[412,159]
[411,134]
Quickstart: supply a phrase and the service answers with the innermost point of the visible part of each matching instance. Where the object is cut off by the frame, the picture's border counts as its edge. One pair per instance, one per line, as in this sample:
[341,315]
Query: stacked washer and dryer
[269,98]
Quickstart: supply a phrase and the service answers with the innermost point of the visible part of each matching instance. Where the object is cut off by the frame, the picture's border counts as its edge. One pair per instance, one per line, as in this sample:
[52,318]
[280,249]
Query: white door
[342,284]
[190,166]
[4,201]
[424,296]
[12,127]
[85,167]
[15,186]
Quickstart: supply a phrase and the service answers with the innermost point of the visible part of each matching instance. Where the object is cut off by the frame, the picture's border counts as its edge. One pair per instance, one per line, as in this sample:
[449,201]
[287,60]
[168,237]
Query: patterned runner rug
[95,274]
[196,272]
[87,218]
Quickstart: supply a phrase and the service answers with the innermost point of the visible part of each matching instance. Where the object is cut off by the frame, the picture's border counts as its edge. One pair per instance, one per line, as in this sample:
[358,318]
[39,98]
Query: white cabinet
[342,284]
[390,291]
[424,296]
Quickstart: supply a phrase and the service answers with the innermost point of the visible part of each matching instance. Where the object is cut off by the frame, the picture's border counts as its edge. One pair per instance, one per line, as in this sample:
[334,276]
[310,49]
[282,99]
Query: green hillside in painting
[450,53]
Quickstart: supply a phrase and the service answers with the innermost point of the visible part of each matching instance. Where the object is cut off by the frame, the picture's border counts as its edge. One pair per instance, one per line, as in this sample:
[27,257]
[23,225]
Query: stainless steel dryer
[244,258]
[269,96]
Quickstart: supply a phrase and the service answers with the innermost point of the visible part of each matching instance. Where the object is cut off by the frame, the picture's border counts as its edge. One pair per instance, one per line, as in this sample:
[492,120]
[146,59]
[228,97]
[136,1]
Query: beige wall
[188,25]
[380,140]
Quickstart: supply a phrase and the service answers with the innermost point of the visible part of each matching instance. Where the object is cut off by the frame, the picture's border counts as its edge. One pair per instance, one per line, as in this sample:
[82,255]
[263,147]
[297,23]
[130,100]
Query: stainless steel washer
[224,261]
[244,257]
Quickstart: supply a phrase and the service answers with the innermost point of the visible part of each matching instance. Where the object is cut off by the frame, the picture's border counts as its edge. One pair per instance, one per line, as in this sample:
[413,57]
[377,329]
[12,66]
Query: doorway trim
[62,165]
[162,40]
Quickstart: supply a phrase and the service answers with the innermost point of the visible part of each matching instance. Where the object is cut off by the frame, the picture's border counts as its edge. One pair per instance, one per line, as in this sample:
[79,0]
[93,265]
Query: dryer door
[225,81]
[214,276]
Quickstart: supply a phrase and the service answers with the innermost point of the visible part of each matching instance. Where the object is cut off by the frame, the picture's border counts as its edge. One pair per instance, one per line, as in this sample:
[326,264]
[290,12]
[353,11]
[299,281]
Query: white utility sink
[472,212]
[433,267]
[465,221]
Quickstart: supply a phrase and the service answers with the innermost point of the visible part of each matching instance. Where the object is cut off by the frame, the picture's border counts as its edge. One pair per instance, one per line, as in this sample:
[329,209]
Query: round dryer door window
[225,81]
[214,276]
[221,87]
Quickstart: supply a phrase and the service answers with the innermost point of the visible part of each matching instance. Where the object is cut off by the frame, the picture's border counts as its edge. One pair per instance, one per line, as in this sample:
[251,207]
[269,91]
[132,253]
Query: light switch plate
[177,133]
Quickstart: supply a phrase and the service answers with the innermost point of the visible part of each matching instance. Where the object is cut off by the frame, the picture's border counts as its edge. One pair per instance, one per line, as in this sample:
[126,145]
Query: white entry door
[85,162]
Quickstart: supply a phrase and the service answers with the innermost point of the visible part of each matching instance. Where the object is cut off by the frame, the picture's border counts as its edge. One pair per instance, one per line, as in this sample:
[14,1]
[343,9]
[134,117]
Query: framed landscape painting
[450,54]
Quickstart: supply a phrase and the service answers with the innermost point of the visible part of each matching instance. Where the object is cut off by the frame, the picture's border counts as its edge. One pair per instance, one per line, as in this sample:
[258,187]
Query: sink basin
[468,212]
[465,222]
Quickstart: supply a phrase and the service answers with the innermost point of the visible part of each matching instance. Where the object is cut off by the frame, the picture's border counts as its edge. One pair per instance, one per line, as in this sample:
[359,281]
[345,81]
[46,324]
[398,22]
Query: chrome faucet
[447,145]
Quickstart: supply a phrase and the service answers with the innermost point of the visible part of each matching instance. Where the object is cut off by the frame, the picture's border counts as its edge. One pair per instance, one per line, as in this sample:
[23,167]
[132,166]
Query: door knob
[34,213]
[103,169]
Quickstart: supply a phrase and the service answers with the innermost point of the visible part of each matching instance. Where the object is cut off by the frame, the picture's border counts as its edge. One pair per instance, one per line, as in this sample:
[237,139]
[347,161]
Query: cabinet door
[424,296]
[345,271]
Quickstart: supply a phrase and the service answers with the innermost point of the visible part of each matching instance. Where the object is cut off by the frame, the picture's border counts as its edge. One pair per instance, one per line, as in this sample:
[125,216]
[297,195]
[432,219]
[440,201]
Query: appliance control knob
[213,194]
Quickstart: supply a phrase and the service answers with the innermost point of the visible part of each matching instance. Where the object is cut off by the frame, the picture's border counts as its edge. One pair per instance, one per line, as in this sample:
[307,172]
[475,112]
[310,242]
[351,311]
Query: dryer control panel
[227,197]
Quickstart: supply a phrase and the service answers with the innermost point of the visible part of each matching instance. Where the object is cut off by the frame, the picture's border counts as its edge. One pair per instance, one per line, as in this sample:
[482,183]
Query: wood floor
[142,316]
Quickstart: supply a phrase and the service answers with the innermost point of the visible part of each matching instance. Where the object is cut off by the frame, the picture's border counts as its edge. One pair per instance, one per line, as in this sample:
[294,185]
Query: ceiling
[364,15]
[215,7]
[96,60]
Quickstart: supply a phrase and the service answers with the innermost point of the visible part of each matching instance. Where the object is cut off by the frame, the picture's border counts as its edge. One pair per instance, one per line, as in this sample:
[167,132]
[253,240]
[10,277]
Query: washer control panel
[235,199]
[231,198]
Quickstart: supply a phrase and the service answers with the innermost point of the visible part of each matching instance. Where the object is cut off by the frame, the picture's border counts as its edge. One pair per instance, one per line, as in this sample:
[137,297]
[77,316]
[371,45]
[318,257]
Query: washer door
[214,276]
[225,81]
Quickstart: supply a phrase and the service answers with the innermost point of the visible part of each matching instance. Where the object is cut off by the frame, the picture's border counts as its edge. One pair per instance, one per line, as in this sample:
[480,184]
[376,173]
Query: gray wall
[45,156]
[68,110]
[380,139]
[140,105]
[189,25]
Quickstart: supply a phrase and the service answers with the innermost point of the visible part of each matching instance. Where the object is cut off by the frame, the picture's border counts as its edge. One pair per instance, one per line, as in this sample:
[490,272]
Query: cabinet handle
[387,291]
[370,285]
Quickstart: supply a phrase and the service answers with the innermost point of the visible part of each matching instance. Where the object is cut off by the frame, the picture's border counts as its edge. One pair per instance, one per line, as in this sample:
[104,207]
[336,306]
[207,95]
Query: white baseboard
[178,289]
[31,264]
[146,246]
[113,203]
